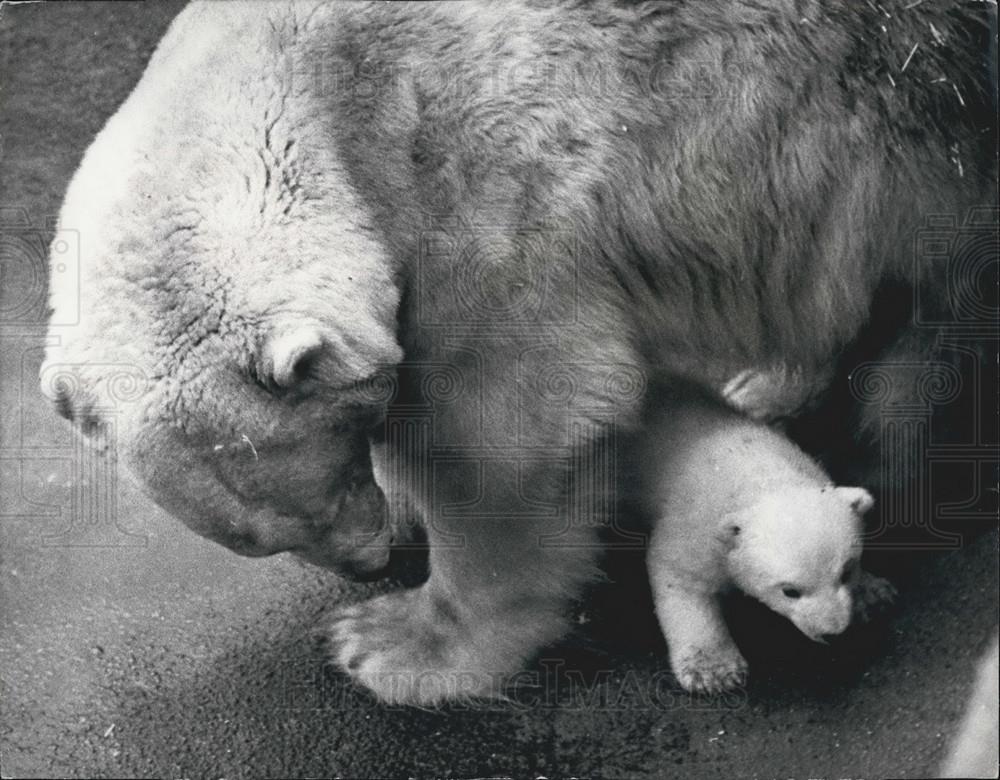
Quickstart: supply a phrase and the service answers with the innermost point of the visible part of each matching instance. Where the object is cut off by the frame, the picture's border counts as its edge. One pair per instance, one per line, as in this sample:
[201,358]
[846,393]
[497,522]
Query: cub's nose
[830,638]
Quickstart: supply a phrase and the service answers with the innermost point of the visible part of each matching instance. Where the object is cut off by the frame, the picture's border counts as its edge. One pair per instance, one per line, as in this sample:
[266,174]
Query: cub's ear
[860,500]
[292,356]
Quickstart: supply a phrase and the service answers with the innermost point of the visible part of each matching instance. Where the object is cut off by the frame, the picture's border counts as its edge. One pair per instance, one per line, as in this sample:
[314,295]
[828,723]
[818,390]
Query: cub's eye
[792,593]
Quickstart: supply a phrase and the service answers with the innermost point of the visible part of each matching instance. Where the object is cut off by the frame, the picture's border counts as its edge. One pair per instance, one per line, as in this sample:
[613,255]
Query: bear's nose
[64,406]
[86,420]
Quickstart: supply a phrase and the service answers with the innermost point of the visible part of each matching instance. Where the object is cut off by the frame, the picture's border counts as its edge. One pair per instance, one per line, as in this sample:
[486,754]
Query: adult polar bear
[544,204]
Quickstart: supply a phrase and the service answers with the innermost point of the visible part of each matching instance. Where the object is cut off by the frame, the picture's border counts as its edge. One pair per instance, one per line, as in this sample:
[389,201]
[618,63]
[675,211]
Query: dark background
[131,647]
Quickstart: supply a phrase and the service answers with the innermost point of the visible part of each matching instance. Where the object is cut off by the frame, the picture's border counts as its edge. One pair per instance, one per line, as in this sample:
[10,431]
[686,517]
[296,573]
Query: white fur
[221,243]
[737,504]
[269,192]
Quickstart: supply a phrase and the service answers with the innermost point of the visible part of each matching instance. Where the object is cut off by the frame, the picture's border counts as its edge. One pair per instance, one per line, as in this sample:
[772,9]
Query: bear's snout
[79,410]
[828,617]
[63,403]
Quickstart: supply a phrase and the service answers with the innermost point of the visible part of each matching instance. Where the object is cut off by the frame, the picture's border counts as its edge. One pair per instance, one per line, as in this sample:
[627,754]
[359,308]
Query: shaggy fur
[737,504]
[542,207]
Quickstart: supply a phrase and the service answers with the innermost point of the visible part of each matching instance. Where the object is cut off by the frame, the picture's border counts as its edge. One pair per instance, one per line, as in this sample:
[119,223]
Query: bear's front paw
[710,670]
[405,651]
[872,596]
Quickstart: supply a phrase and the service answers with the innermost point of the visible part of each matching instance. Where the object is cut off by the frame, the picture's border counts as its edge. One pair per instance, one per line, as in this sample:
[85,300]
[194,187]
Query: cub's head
[233,302]
[798,552]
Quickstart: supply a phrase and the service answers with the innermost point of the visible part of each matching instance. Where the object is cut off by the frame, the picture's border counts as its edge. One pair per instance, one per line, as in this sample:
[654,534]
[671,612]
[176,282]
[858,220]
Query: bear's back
[643,134]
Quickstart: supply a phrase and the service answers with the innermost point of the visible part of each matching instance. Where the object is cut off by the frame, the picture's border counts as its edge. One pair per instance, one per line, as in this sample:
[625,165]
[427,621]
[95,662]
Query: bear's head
[232,303]
[797,550]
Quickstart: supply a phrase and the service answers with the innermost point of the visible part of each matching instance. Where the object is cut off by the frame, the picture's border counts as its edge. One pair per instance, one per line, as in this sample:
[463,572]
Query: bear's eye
[790,592]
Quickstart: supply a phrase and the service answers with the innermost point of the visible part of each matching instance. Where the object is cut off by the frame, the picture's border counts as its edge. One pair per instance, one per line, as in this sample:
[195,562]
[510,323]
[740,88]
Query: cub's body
[736,504]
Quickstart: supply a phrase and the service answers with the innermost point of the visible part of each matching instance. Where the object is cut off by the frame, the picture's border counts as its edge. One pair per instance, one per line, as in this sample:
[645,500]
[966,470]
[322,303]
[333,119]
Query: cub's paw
[710,670]
[872,596]
[405,648]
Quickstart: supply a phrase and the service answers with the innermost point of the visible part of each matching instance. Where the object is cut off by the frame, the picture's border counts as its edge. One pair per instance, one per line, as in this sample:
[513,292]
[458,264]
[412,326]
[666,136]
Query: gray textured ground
[158,654]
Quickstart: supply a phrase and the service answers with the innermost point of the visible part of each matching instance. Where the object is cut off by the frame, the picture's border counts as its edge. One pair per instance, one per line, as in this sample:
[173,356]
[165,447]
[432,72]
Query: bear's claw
[712,671]
[872,596]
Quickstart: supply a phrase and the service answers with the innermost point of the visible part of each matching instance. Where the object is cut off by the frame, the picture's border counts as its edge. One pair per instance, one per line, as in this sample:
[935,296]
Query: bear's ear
[290,357]
[859,499]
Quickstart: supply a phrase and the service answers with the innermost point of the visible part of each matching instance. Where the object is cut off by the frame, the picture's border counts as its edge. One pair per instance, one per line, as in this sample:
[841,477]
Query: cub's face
[232,304]
[798,552]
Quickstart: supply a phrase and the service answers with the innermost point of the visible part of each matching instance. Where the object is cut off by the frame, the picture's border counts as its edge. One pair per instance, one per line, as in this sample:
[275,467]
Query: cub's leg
[702,653]
[703,656]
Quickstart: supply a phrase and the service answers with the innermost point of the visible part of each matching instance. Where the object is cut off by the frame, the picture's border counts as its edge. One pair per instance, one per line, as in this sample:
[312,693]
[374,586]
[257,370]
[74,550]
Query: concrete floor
[131,647]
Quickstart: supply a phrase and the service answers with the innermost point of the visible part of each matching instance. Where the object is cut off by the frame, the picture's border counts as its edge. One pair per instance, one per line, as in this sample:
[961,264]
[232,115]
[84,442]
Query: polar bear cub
[735,503]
